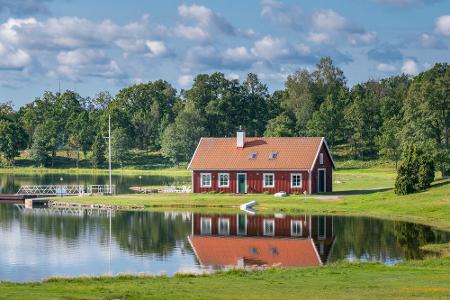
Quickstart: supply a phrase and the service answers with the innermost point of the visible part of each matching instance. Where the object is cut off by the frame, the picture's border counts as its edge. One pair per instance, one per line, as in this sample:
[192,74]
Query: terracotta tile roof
[222,153]
[232,251]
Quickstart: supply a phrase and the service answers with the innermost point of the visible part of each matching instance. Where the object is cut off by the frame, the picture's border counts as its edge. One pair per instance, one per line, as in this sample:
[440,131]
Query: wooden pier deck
[14,198]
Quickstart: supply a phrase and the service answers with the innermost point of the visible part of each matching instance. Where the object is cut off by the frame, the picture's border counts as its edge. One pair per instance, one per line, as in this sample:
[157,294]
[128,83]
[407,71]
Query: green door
[321,181]
[241,183]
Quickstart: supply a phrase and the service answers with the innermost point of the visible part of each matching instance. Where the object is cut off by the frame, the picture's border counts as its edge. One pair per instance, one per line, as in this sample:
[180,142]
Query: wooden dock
[15,199]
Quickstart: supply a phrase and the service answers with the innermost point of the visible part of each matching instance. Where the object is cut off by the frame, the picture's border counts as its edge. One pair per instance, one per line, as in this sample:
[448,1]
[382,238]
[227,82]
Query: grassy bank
[359,192]
[427,279]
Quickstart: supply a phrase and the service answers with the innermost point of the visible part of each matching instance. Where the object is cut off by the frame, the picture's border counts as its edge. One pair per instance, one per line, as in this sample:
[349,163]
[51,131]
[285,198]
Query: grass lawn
[416,279]
[361,192]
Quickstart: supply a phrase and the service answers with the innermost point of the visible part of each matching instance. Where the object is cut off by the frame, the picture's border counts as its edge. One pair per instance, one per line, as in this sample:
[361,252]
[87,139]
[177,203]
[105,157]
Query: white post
[109,147]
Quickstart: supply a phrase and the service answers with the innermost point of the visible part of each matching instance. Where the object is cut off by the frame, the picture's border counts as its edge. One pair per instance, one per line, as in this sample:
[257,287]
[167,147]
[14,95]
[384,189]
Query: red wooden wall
[328,165]
[254,182]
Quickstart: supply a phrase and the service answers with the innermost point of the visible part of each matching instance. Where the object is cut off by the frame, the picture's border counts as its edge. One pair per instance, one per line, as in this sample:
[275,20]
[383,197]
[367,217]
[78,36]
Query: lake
[40,243]
[10,183]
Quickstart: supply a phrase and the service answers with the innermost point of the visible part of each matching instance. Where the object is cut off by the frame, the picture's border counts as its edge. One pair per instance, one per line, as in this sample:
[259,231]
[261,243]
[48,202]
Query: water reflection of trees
[137,232]
[382,240]
[411,237]
[148,232]
[10,183]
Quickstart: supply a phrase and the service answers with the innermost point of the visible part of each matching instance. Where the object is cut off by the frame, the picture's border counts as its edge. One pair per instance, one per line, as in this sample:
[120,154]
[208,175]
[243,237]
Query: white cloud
[366,38]
[410,67]
[430,41]
[278,12]
[191,32]
[82,57]
[12,58]
[232,76]
[382,67]
[319,37]
[205,18]
[238,53]
[269,48]
[329,26]
[79,63]
[443,25]
[328,20]
[185,80]
[157,48]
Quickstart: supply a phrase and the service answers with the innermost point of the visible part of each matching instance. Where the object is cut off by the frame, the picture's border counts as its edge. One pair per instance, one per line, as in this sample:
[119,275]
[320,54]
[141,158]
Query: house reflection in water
[245,240]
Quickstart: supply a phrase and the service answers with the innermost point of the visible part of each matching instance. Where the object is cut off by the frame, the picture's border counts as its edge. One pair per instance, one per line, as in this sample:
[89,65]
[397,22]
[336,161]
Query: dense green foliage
[416,172]
[377,118]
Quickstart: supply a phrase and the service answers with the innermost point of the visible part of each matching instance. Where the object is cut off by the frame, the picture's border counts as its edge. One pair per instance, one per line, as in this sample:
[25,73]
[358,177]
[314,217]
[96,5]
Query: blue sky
[91,46]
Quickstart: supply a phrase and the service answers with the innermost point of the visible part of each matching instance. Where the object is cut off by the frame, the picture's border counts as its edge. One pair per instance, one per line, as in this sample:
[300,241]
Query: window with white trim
[269,227]
[205,180]
[296,228]
[205,226]
[224,226]
[224,179]
[321,158]
[296,180]
[268,180]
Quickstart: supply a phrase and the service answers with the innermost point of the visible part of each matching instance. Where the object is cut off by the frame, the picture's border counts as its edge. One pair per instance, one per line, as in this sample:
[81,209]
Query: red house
[256,165]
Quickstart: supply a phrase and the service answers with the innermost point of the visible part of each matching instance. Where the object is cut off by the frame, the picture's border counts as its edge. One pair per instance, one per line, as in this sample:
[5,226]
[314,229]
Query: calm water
[39,243]
[10,183]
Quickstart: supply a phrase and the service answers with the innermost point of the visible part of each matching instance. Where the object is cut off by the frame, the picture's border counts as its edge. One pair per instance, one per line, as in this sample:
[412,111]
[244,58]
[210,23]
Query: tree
[119,146]
[389,141]
[327,121]
[39,152]
[416,173]
[407,178]
[280,126]
[425,172]
[98,152]
[427,113]
[180,139]
[363,119]
[12,139]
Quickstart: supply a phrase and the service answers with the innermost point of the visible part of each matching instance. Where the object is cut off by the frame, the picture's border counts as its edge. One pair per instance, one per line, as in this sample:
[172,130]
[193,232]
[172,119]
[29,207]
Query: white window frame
[219,221]
[264,180]
[292,227]
[321,158]
[292,181]
[218,180]
[264,227]
[201,226]
[201,180]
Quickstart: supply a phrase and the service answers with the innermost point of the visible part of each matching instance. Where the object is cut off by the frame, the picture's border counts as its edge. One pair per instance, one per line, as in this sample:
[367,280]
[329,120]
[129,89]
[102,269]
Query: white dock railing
[66,190]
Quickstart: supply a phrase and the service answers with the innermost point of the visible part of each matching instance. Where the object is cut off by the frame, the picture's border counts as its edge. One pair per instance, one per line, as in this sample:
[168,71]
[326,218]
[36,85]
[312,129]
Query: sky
[93,46]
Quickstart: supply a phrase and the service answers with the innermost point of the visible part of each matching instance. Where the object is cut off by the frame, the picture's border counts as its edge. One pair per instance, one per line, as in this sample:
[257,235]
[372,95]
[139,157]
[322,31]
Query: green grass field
[429,279]
[361,192]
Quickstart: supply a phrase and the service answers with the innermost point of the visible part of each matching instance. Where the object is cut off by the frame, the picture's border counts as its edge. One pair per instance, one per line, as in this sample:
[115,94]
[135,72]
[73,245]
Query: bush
[416,172]
[426,172]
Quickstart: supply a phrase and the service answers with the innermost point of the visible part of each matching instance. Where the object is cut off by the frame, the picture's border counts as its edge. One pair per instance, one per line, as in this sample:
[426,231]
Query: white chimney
[240,138]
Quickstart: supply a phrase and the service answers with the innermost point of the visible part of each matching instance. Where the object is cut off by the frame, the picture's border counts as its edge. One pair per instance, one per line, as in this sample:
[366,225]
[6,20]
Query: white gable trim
[195,152]
[323,142]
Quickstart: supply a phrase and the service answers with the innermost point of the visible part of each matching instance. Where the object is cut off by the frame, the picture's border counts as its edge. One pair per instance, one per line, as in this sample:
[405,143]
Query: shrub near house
[258,165]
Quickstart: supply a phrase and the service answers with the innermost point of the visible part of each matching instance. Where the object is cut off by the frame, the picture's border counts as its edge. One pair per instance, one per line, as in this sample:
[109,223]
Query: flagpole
[109,148]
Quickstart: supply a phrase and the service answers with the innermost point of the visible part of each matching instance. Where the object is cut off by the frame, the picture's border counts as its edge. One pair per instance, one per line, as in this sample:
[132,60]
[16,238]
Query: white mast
[109,148]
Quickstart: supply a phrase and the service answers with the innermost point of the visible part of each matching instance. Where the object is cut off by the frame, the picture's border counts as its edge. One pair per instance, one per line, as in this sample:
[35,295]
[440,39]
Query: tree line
[377,118]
